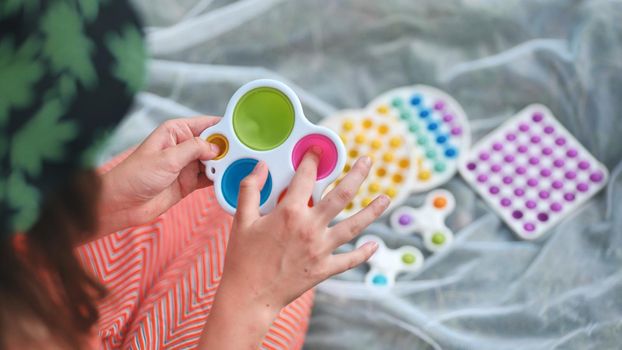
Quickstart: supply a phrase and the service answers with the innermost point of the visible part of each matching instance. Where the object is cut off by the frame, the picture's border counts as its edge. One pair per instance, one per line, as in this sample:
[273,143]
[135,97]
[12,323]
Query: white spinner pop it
[264,121]
[427,220]
[415,135]
[387,263]
[533,172]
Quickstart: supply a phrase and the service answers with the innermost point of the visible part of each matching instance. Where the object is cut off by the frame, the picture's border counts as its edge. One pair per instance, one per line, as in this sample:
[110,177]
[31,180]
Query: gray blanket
[490,290]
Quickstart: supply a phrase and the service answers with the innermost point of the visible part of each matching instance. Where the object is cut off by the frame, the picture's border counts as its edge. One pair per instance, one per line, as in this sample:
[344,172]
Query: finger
[203,180]
[176,131]
[346,261]
[302,184]
[192,178]
[250,193]
[199,123]
[337,199]
[351,227]
[178,157]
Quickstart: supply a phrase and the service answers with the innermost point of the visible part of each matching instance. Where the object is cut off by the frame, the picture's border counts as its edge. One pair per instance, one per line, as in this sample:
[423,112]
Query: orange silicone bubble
[404,163]
[439,202]
[397,178]
[367,123]
[381,172]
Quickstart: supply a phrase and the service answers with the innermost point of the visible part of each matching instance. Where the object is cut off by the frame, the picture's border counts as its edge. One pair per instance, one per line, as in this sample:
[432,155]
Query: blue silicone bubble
[380,280]
[234,174]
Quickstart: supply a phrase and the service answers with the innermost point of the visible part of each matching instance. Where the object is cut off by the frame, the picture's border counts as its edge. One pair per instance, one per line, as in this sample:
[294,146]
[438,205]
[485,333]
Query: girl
[147,273]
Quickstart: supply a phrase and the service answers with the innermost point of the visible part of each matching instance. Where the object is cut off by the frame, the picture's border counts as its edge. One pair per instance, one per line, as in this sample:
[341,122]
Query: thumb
[178,156]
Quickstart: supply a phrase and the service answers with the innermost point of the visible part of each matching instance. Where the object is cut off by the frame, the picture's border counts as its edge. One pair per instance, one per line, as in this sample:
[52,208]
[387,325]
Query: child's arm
[273,259]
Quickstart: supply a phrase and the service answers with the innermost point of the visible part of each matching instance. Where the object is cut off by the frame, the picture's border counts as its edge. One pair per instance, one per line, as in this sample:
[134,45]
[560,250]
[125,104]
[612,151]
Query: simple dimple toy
[415,135]
[386,263]
[533,172]
[264,121]
[427,220]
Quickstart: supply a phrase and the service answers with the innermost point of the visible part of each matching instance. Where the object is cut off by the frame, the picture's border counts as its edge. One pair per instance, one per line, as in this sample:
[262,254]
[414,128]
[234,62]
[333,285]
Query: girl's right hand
[273,259]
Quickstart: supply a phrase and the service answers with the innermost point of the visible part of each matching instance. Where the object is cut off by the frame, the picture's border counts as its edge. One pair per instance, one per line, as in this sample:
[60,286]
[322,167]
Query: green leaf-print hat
[68,72]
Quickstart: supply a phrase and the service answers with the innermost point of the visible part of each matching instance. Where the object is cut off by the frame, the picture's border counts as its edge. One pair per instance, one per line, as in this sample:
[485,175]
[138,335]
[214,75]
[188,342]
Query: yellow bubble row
[389,191]
[348,125]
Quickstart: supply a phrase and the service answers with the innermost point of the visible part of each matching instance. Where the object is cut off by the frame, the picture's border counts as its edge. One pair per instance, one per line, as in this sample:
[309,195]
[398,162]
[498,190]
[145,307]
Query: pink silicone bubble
[328,160]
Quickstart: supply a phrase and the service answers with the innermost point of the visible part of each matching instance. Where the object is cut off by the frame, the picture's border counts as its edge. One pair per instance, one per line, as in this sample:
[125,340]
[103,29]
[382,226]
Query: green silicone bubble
[438,238]
[263,118]
[408,259]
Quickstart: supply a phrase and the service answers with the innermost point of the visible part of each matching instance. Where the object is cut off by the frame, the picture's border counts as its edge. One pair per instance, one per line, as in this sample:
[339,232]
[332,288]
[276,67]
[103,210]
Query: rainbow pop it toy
[386,263]
[264,121]
[533,172]
[415,135]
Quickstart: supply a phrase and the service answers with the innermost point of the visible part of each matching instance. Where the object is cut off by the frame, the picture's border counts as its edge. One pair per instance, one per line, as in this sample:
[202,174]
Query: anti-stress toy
[386,263]
[264,121]
[427,220]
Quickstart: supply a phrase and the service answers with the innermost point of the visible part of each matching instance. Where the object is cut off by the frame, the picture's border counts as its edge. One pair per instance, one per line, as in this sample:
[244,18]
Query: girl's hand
[161,171]
[273,259]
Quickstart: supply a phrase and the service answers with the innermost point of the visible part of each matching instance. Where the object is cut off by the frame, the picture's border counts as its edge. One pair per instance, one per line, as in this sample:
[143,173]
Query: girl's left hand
[159,173]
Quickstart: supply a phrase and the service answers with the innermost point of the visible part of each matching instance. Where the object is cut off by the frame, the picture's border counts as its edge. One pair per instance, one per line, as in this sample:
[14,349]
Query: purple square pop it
[533,172]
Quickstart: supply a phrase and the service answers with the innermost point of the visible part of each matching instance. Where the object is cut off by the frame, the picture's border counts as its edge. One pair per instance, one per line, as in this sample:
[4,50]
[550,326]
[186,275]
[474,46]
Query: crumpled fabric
[490,290]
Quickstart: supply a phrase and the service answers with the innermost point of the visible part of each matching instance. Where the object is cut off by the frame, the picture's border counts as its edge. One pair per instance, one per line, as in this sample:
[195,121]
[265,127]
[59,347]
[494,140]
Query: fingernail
[366,160]
[258,166]
[317,150]
[372,245]
[384,200]
[214,148]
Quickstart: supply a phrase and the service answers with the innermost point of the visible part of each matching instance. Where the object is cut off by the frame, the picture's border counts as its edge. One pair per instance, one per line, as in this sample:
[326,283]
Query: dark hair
[45,294]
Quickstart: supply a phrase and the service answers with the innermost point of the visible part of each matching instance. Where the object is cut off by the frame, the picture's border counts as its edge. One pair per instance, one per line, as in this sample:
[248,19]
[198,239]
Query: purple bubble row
[570,173]
[582,186]
[448,117]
